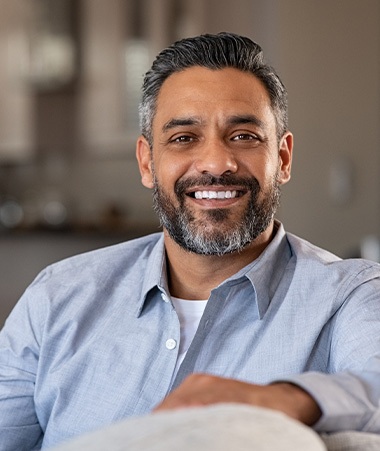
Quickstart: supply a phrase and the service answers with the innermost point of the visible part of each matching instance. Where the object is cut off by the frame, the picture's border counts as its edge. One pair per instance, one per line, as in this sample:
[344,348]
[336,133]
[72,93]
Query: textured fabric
[222,427]
[95,338]
[351,441]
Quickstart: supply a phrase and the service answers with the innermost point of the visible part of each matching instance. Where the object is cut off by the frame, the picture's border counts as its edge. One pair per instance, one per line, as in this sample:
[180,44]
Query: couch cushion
[218,427]
[351,441]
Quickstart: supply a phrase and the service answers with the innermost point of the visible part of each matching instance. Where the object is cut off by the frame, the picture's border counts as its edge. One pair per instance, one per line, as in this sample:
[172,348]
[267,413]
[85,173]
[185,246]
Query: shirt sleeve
[19,353]
[349,395]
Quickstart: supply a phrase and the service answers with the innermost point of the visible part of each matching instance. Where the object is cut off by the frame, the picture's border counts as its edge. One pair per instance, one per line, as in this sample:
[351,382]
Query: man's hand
[203,389]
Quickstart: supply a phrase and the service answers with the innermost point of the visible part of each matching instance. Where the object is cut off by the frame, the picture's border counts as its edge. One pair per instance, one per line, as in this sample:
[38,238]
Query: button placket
[171,343]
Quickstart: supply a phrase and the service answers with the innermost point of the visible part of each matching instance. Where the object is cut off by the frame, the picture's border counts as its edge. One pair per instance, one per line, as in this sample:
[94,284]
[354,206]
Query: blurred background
[70,78]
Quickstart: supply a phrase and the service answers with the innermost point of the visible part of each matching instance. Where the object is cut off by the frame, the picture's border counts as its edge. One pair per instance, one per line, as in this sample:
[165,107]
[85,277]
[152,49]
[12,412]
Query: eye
[245,137]
[182,139]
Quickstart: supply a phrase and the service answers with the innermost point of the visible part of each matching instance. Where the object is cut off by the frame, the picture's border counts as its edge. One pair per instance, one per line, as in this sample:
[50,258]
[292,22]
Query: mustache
[182,185]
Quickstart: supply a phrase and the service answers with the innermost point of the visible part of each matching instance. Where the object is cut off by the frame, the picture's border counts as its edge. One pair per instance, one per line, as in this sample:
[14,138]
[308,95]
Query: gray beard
[206,236]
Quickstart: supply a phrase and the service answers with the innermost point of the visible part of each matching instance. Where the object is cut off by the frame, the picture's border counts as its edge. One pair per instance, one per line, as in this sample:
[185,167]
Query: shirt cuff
[343,400]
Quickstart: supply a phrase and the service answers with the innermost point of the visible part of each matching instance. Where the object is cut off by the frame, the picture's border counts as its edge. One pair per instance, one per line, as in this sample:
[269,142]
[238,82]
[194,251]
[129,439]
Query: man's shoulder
[318,259]
[127,254]
[307,250]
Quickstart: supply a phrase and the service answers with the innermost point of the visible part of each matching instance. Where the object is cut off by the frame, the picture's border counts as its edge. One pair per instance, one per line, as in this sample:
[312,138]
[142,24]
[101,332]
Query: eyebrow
[178,122]
[245,119]
[232,120]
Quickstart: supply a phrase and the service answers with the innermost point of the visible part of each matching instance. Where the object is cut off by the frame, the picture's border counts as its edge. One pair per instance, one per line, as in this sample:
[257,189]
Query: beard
[215,232]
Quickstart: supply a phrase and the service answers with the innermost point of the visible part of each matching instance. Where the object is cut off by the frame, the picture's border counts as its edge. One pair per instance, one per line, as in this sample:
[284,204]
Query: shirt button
[170,344]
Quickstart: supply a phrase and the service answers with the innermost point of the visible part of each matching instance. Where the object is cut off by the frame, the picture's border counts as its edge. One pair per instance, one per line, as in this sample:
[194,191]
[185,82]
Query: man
[223,306]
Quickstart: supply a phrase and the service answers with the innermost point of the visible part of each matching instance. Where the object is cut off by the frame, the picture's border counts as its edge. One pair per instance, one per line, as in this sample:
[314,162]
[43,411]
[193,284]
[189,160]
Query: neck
[193,276]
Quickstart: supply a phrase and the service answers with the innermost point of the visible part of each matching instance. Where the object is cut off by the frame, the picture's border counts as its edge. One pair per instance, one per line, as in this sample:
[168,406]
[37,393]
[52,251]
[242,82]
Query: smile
[209,194]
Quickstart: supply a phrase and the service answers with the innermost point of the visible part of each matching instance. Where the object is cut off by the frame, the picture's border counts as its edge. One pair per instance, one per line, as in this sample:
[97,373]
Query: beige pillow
[232,427]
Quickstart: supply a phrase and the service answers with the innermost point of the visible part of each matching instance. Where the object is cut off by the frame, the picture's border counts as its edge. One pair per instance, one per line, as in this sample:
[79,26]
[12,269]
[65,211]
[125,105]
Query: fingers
[205,389]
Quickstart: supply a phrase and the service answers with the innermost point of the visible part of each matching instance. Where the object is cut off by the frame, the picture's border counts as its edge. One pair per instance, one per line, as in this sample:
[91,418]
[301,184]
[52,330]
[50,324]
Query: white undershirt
[189,314]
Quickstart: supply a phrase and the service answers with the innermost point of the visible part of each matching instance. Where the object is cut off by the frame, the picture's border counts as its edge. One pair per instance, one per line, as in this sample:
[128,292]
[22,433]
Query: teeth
[215,194]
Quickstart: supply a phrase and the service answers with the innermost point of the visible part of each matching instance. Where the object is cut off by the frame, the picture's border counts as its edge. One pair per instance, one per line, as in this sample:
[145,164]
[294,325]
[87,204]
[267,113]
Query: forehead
[204,92]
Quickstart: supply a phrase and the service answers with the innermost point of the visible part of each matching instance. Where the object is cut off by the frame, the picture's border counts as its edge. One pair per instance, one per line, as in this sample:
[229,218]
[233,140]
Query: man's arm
[19,426]
[203,389]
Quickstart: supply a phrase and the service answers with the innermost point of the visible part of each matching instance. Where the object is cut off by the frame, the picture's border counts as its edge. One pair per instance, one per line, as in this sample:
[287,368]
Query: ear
[285,157]
[144,159]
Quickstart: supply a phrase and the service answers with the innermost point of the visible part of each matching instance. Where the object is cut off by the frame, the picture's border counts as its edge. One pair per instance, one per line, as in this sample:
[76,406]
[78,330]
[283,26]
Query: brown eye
[244,137]
[183,139]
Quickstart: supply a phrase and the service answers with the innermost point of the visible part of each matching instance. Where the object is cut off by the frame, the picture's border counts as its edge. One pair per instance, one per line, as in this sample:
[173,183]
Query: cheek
[169,169]
[261,168]
[271,168]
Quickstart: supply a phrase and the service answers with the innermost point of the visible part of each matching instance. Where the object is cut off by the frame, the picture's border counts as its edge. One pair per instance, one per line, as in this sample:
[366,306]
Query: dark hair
[213,52]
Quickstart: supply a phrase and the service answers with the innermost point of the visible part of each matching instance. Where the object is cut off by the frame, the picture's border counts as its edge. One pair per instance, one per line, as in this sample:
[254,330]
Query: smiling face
[216,163]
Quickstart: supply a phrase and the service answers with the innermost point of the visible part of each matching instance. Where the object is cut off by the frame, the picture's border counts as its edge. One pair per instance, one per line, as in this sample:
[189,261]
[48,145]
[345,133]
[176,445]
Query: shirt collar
[264,273]
[154,273]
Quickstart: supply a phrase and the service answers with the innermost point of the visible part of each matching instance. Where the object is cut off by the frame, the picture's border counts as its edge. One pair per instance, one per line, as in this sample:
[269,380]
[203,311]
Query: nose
[216,159]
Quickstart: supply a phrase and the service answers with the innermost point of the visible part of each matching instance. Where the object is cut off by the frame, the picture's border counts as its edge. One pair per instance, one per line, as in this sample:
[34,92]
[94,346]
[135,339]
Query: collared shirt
[95,338]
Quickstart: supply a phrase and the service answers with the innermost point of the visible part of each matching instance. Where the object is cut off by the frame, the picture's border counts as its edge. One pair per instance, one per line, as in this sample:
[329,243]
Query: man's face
[216,164]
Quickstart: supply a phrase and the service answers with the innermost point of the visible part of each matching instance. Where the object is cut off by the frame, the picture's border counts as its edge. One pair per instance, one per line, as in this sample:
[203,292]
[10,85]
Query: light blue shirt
[95,338]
